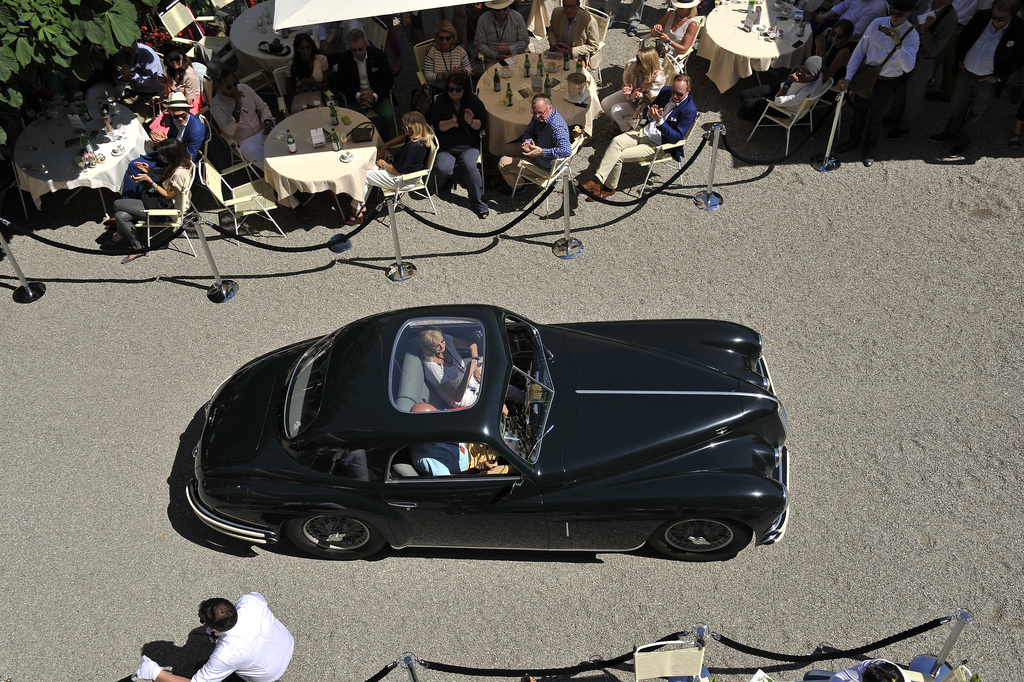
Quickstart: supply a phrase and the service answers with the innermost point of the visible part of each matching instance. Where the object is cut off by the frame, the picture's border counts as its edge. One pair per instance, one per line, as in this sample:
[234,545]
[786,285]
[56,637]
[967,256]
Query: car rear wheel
[334,536]
[701,539]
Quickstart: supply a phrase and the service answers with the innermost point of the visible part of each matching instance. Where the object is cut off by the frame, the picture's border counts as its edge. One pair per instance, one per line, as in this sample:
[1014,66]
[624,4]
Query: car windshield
[525,412]
[306,387]
[437,364]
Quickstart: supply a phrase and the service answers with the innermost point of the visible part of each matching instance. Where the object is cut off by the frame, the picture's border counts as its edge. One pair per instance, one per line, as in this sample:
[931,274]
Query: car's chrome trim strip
[222,525]
[602,391]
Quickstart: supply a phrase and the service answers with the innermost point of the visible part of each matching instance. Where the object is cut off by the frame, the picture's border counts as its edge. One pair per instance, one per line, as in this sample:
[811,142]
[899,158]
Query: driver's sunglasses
[436,347]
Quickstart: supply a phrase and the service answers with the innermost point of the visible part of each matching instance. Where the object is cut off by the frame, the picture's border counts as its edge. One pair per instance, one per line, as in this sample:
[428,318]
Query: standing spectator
[458,116]
[1018,127]
[545,139]
[445,57]
[333,36]
[501,32]
[860,12]
[990,49]
[364,76]
[636,9]
[308,73]
[242,115]
[642,80]
[965,10]
[936,22]
[874,670]
[251,643]
[573,30]
[890,42]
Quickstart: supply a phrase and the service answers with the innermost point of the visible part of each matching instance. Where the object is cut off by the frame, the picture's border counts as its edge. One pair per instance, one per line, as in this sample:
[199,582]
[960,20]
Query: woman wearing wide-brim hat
[678,28]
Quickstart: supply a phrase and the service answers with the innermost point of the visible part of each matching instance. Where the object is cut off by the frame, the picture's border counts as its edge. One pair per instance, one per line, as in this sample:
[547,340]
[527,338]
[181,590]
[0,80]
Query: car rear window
[437,364]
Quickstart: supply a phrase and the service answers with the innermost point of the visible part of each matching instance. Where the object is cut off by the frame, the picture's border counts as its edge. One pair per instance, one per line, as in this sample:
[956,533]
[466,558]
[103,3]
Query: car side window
[435,460]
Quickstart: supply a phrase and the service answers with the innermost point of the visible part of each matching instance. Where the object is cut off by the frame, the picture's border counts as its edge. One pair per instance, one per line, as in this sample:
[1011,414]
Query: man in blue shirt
[545,139]
[671,116]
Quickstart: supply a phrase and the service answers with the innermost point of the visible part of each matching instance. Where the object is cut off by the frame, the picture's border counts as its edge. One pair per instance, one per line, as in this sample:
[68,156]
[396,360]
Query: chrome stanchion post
[222,289]
[567,246]
[709,200]
[961,618]
[409,662]
[400,270]
[826,163]
[28,292]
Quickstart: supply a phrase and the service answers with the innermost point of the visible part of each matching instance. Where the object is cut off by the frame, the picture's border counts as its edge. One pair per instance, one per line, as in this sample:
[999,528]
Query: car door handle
[403,505]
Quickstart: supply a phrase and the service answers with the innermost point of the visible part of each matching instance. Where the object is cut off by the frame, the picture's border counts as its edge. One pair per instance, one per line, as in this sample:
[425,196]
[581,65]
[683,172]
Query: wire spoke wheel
[336,532]
[699,535]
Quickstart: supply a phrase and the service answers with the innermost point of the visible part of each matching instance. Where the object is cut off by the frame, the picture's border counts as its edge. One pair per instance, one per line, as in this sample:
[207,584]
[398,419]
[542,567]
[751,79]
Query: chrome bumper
[778,529]
[233,529]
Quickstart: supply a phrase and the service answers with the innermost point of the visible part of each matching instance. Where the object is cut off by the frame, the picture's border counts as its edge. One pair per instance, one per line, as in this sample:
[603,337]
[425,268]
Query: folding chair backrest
[176,18]
[214,181]
[207,90]
[811,100]
[674,663]
[420,50]
[603,21]
[431,156]
[281,80]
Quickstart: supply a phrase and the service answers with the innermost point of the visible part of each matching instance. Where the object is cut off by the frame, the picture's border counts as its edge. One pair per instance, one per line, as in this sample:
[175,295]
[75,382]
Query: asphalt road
[889,301]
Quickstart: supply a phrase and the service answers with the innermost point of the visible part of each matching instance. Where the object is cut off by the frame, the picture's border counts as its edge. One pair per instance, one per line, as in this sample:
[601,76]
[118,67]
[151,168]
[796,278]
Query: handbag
[863,82]
[152,200]
[422,100]
[362,132]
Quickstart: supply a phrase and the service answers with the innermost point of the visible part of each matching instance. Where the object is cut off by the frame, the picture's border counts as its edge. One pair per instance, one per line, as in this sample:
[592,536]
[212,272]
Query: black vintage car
[469,426]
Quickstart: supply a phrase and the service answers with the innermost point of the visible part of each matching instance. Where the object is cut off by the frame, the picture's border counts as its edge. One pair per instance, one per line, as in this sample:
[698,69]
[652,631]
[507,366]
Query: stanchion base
[708,202]
[225,292]
[339,243]
[30,294]
[401,272]
[819,162]
[567,248]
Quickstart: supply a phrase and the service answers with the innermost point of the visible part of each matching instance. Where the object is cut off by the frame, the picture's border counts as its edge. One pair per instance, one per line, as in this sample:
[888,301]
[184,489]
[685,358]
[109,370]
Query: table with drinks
[506,92]
[294,163]
[774,36]
[92,149]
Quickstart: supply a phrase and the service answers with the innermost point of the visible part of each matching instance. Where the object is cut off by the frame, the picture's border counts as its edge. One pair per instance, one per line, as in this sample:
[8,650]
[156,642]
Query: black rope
[370,215]
[383,672]
[98,252]
[493,233]
[667,183]
[846,653]
[778,159]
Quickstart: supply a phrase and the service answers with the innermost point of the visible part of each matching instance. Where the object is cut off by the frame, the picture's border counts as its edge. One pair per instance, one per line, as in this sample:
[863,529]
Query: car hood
[636,405]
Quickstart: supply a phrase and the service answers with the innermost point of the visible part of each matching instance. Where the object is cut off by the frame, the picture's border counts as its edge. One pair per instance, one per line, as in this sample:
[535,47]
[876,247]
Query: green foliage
[70,36]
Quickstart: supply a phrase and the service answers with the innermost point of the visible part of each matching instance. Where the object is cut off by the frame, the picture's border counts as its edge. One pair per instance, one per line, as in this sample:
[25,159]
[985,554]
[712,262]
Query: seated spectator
[184,127]
[364,77]
[834,48]
[573,30]
[670,118]
[242,115]
[165,188]
[642,80]
[412,157]
[546,138]
[308,74]
[679,27]
[501,32]
[333,36]
[138,70]
[859,12]
[458,116]
[455,382]
[178,76]
[874,670]
[804,81]
[445,57]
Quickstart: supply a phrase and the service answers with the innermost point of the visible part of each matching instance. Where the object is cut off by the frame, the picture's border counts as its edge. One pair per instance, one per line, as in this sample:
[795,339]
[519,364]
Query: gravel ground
[889,301]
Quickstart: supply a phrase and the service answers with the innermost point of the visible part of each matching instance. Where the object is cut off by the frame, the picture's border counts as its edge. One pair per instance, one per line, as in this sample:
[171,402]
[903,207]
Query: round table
[44,163]
[316,170]
[736,54]
[246,37]
[507,123]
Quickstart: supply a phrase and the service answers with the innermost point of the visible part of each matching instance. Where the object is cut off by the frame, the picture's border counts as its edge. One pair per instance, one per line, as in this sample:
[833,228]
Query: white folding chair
[256,197]
[663,153]
[672,63]
[603,21]
[546,177]
[664,663]
[787,119]
[420,52]
[177,17]
[402,270]
[163,219]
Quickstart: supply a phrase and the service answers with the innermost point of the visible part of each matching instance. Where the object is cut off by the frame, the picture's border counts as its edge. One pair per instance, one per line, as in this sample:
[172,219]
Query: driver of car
[454,381]
[447,459]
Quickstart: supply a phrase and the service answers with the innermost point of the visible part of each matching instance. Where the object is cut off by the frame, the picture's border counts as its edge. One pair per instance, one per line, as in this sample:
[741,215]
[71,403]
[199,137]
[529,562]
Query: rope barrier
[493,233]
[370,216]
[98,252]
[667,183]
[383,672]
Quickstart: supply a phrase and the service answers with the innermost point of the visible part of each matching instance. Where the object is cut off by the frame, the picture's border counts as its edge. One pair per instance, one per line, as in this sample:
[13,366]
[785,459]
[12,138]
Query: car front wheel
[701,539]
[334,536]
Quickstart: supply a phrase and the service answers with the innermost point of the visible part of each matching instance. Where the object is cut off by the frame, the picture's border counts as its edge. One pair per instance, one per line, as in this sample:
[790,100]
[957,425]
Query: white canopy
[292,13]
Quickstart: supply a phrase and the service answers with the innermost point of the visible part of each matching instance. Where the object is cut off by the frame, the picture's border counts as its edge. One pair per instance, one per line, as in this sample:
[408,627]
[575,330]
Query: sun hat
[497,4]
[685,4]
[176,100]
[813,65]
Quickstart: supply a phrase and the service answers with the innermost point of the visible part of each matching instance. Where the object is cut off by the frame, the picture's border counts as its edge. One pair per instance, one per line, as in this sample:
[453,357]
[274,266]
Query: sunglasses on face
[996,19]
[436,346]
[180,114]
[454,88]
[445,38]
[359,49]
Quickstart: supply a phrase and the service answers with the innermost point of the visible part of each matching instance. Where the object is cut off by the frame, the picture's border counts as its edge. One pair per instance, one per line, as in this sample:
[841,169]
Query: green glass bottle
[508,93]
[579,65]
[526,66]
[292,148]
[547,85]
[497,80]
[334,115]
[565,62]
[335,142]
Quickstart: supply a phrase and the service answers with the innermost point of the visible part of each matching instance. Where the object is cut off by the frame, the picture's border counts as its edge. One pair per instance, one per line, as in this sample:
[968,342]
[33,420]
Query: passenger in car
[454,381]
[447,459]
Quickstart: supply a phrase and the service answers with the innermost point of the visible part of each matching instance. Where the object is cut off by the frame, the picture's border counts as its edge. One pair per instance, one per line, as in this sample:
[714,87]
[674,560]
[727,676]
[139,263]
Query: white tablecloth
[315,170]
[51,165]
[507,123]
[246,37]
[736,54]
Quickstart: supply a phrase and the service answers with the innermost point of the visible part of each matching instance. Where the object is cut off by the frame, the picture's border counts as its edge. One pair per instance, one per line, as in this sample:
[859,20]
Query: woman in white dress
[678,28]
[642,80]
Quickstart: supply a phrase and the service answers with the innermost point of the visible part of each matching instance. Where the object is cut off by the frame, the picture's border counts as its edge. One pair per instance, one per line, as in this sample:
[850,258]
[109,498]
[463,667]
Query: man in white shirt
[501,32]
[251,643]
[890,42]
[874,670]
[990,49]
[801,83]
[242,115]
[858,12]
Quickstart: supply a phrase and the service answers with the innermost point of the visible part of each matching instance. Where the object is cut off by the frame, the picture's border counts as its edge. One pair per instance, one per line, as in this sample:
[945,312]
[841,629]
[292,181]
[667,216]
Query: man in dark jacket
[671,116]
[364,76]
[989,50]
